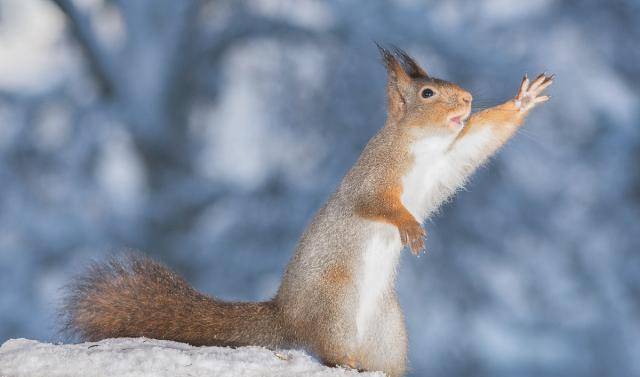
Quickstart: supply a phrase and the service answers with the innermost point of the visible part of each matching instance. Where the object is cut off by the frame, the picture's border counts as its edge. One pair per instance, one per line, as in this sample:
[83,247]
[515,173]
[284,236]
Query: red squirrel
[337,299]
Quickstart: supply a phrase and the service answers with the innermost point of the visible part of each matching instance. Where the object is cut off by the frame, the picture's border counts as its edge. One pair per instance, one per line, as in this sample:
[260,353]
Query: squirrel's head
[419,100]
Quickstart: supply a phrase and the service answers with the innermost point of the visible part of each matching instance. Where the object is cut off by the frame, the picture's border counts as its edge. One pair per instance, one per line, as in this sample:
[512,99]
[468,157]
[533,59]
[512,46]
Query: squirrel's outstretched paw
[528,94]
[412,235]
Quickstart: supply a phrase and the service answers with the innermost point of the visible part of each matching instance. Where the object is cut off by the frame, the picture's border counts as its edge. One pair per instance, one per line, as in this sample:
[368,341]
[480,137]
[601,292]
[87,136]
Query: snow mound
[141,357]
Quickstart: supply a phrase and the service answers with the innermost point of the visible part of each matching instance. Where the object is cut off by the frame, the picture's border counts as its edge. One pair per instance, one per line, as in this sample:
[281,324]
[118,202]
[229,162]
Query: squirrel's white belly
[432,178]
[377,275]
[383,245]
[437,172]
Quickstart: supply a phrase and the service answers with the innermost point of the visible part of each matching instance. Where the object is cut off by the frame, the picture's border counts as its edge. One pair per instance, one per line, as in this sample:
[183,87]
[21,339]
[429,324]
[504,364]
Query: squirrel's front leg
[387,207]
[488,130]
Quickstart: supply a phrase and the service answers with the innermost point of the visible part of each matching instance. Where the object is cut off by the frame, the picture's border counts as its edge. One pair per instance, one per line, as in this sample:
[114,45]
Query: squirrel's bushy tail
[134,296]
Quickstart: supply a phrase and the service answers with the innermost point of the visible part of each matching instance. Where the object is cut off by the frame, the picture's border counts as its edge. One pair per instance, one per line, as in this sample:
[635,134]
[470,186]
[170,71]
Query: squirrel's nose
[467,98]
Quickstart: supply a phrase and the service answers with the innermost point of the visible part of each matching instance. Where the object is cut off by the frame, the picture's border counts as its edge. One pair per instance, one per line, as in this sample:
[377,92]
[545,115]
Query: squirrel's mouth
[456,122]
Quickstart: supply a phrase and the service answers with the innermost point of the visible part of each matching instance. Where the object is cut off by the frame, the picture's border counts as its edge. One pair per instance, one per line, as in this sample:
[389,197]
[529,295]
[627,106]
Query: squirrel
[337,299]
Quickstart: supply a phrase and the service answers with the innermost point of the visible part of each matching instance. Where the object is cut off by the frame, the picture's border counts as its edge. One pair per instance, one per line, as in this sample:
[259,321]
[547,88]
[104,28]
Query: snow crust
[141,357]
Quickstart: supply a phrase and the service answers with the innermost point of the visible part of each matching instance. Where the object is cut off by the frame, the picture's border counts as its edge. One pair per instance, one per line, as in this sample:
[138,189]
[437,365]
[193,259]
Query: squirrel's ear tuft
[409,65]
[387,57]
[399,62]
[399,83]
[395,72]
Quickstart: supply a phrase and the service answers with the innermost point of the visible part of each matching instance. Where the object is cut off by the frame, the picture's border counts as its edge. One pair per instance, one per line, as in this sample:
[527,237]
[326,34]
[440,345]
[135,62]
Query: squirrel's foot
[412,235]
[352,363]
[528,94]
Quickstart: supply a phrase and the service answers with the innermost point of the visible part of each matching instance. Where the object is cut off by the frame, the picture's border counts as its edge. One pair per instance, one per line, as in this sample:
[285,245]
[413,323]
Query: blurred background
[207,133]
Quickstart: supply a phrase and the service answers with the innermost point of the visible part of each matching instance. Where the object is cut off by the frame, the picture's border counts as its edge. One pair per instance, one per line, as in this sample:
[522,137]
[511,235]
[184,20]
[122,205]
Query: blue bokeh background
[207,132]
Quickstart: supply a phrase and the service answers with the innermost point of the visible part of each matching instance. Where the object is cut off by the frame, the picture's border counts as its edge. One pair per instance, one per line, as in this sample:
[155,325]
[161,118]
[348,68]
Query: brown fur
[135,296]
[408,115]
[316,306]
[387,207]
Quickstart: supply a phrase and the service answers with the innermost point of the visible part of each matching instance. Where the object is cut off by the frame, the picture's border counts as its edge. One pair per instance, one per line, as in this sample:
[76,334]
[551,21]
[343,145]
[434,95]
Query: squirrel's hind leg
[386,348]
[385,351]
[346,360]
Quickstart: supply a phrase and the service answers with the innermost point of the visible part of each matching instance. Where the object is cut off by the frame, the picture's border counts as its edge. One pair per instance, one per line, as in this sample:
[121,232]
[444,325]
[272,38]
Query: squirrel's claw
[412,235]
[524,85]
[541,99]
[537,82]
[528,92]
[542,86]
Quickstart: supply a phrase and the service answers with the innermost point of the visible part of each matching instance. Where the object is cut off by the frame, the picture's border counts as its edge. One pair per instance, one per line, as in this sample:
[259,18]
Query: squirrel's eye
[426,93]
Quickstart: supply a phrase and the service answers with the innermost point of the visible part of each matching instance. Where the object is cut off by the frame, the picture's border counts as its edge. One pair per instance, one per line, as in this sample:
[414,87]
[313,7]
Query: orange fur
[505,119]
[408,115]
[387,207]
[316,306]
[337,275]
